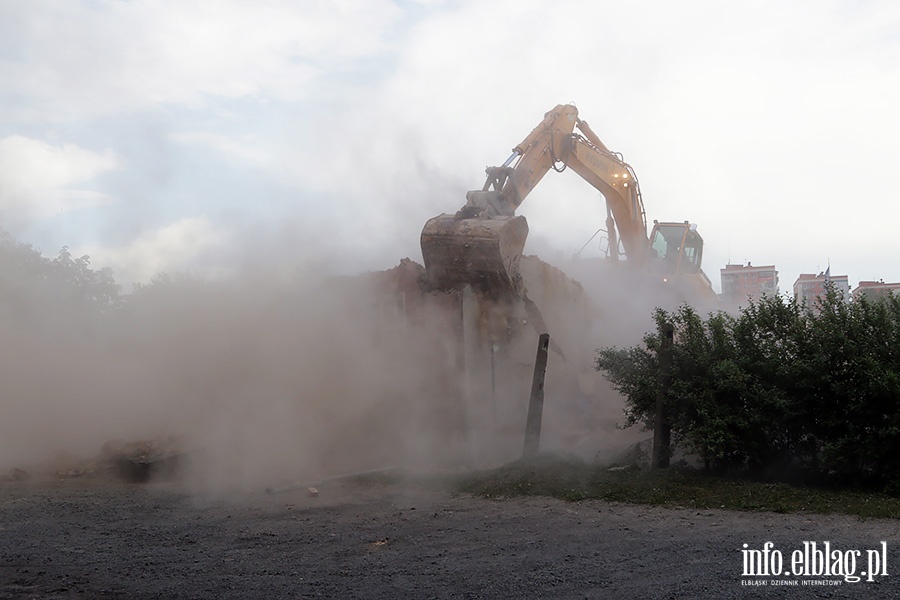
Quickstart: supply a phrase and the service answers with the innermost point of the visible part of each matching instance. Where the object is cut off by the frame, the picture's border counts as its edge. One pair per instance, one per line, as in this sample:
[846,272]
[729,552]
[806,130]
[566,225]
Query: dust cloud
[266,380]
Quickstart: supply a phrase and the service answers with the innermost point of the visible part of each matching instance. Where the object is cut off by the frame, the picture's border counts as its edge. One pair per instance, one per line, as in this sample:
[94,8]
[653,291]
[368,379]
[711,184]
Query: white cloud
[81,60]
[190,243]
[37,178]
[244,148]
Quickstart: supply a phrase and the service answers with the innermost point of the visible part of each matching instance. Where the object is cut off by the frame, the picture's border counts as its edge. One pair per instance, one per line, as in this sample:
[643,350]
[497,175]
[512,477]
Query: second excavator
[482,243]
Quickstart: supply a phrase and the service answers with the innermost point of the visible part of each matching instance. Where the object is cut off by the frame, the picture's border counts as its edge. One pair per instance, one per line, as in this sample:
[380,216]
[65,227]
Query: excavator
[481,244]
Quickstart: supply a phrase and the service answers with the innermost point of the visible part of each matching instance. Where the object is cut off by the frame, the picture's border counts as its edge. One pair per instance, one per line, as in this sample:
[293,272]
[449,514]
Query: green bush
[778,390]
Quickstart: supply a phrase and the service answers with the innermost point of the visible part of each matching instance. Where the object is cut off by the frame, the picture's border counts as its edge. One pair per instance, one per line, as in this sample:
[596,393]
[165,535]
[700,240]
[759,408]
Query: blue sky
[216,135]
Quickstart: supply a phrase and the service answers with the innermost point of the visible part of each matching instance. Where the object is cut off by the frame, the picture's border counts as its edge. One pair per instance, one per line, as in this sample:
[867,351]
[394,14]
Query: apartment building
[875,290]
[809,288]
[740,282]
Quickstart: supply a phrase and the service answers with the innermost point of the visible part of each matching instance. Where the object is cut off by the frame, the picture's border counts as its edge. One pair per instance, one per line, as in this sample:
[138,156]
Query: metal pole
[536,402]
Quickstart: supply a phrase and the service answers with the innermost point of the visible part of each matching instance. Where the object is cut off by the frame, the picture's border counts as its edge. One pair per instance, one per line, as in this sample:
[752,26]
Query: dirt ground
[99,538]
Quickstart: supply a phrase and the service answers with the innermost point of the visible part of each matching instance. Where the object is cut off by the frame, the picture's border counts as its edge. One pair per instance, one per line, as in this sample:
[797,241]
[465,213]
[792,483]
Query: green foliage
[77,282]
[64,289]
[780,389]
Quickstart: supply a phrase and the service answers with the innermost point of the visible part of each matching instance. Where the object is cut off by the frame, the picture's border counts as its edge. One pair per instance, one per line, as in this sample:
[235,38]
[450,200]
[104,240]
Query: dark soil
[98,538]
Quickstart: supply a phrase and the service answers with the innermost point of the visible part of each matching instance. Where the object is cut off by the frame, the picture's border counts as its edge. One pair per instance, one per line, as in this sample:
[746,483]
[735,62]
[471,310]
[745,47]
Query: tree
[778,389]
[60,291]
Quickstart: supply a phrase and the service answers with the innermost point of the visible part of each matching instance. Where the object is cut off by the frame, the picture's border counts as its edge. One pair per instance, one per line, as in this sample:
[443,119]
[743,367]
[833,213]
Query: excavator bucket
[483,253]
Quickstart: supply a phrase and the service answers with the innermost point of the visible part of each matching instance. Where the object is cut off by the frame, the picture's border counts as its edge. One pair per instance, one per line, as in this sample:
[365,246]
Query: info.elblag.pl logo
[820,561]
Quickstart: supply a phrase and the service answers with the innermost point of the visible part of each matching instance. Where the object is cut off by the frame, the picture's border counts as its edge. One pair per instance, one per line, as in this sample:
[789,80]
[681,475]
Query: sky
[206,136]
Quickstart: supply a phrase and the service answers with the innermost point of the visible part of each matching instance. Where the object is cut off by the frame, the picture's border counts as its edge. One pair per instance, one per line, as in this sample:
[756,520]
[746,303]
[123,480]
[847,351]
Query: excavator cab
[676,248]
[676,252]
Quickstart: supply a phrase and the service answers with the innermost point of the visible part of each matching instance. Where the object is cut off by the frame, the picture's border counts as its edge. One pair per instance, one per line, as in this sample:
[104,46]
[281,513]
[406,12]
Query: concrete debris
[312,492]
[487,345]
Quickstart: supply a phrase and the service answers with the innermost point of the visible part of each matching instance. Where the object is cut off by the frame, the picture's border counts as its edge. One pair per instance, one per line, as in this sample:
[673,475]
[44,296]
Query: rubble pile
[489,348]
[142,459]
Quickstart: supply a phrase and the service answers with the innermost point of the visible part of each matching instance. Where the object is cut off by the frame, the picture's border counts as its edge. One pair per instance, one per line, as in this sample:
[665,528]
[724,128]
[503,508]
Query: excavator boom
[481,245]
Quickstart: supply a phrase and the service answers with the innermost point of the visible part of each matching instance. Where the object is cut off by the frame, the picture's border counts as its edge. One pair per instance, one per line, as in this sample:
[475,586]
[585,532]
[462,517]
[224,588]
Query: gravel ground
[96,538]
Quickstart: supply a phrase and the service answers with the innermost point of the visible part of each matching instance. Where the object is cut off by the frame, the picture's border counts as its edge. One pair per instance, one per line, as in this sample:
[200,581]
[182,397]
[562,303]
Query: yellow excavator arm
[482,243]
[616,181]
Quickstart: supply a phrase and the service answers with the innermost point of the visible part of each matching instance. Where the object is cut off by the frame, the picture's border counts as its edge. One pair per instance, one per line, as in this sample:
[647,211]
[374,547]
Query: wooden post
[474,411]
[662,430]
[493,348]
[536,403]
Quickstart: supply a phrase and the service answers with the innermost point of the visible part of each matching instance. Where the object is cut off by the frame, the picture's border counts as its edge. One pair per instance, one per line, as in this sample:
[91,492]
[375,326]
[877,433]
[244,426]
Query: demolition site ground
[98,537]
